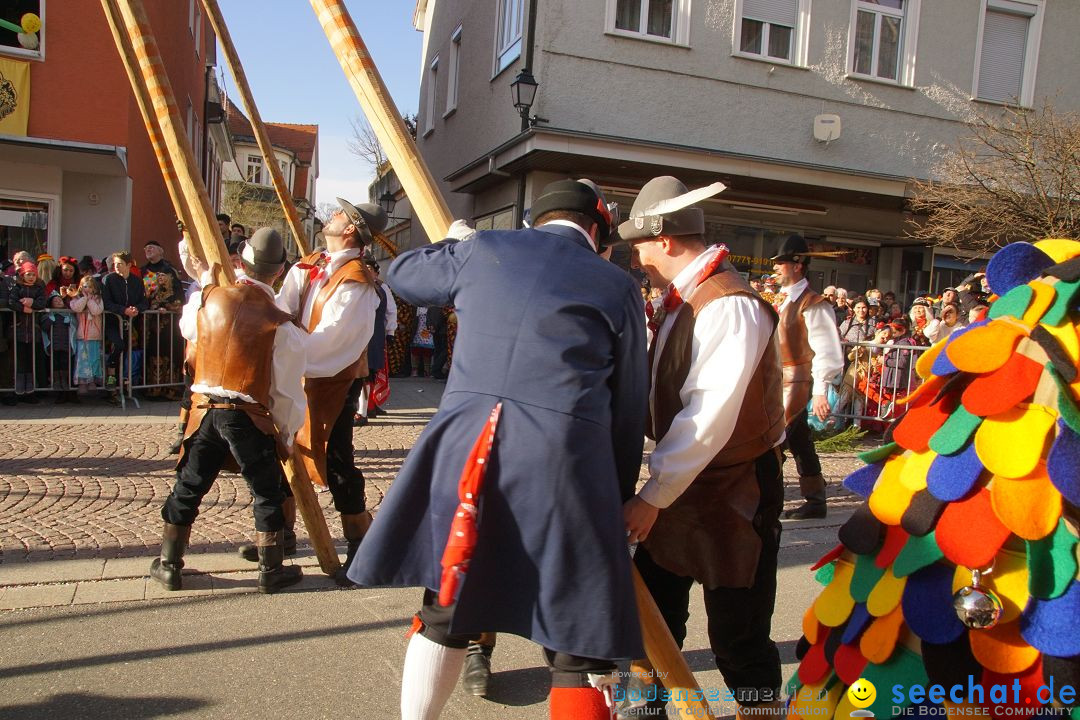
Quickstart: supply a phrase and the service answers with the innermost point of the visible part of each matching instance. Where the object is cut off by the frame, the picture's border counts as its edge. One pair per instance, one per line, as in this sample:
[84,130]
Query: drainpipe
[530,37]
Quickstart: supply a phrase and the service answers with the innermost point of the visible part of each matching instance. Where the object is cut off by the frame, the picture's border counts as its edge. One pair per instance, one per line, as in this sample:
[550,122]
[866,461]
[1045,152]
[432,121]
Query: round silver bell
[979,608]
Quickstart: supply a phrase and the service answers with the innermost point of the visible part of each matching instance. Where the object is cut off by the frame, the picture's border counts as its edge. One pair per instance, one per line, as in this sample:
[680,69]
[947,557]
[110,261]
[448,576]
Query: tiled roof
[300,139]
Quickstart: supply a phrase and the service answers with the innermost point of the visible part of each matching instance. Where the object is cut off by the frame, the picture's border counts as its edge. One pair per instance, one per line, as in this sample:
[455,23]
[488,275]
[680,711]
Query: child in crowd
[88,307]
[57,335]
[26,296]
[423,342]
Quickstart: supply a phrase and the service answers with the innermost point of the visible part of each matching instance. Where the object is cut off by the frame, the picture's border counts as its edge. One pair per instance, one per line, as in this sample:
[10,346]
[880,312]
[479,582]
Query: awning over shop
[68,155]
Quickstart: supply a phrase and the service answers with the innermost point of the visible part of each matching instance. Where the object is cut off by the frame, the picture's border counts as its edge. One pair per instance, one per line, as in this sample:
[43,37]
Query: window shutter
[778,12]
[1001,65]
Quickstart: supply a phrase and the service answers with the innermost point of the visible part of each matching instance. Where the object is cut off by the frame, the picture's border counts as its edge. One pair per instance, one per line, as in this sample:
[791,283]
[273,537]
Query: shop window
[22,32]
[499,220]
[24,225]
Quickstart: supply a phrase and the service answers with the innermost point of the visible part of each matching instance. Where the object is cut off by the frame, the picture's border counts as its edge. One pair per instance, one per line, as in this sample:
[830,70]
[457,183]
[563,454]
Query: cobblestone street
[92,485]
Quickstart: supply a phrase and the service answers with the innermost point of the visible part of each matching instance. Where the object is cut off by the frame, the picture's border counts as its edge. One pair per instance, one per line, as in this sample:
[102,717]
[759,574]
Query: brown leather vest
[236,328]
[761,417]
[352,271]
[794,338]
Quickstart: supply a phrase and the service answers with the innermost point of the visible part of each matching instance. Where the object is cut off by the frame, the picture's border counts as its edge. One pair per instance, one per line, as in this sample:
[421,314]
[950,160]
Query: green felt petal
[1012,303]
[1066,407]
[872,456]
[952,436]
[905,669]
[919,551]
[865,578]
[825,573]
[1059,311]
[1052,563]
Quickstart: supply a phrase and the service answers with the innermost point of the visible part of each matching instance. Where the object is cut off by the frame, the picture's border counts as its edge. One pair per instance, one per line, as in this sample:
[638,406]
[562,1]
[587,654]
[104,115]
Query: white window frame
[909,37]
[52,244]
[433,83]
[680,24]
[800,38]
[286,171]
[254,161]
[453,73]
[22,52]
[1031,52]
[508,38]
[196,28]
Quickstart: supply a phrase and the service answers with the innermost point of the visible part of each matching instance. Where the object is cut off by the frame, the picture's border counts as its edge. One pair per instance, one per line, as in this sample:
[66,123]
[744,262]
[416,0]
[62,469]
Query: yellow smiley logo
[862,693]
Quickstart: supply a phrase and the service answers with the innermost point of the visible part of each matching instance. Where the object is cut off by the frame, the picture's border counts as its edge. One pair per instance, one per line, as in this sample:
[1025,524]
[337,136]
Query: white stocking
[428,679]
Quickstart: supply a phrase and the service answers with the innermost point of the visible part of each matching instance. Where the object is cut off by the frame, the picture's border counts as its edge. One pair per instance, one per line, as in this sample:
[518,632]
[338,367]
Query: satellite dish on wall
[827,128]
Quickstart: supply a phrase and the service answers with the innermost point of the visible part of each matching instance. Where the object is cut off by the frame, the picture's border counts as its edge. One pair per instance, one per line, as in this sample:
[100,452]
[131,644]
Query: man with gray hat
[247,404]
[710,509]
[332,295]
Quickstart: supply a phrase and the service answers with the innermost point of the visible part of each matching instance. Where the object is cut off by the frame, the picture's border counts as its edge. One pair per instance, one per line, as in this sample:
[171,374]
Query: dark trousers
[801,446]
[344,479]
[739,619]
[440,355]
[566,670]
[225,432]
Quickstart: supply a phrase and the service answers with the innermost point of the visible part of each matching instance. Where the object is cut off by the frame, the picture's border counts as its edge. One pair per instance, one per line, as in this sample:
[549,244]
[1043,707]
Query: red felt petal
[914,431]
[814,667]
[969,533]
[849,663]
[1030,682]
[895,539]
[1004,388]
[828,557]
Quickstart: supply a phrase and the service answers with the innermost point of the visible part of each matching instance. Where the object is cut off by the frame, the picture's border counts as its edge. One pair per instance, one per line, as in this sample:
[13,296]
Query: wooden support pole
[153,130]
[434,214]
[152,83]
[284,193]
[384,118]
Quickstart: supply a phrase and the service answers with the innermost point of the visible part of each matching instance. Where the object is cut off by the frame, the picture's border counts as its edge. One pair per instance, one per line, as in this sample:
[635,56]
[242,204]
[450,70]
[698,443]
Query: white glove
[460,230]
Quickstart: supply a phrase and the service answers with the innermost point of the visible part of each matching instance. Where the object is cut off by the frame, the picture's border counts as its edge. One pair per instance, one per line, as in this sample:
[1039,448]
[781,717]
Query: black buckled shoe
[477,671]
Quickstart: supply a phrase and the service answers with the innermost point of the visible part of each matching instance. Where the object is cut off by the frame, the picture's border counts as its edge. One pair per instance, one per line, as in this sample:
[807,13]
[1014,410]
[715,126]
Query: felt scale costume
[960,568]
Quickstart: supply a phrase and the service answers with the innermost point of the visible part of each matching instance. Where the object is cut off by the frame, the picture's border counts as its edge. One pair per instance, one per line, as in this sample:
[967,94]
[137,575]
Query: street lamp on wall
[387,201]
[523,91]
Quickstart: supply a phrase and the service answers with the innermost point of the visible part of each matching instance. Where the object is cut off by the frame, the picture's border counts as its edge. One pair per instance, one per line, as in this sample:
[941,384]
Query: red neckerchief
[316,270]
[672,299]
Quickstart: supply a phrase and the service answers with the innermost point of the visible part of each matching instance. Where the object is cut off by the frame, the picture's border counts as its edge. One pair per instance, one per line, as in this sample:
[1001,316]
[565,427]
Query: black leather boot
[477,671]
[354,526]
[273,575]
[166,569]
[250,553]
[812,488]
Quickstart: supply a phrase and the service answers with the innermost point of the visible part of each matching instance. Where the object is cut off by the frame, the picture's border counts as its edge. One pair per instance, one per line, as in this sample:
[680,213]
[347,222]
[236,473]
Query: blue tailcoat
[557,334]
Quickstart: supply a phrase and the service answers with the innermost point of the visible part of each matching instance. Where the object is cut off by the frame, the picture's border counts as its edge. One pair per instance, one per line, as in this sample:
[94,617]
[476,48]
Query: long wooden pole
[153,130]
[284,194]
[152,83]
[432,210]
[385,120]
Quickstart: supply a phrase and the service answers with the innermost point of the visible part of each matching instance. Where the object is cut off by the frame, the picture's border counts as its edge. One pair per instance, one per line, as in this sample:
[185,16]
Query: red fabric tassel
[463,530]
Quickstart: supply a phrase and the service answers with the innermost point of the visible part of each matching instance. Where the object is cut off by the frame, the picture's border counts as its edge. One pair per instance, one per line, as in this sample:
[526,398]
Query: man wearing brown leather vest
[247,404]
[812,357]
[710,509]
[332,295]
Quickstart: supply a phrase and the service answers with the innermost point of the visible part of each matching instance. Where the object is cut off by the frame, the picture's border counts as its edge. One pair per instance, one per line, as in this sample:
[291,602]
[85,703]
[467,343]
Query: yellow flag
[14,96]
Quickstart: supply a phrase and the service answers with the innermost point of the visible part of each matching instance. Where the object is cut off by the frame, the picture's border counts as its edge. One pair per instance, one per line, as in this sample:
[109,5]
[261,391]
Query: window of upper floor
[254,171]
[882,40]
[453,71]
[195,24]
[432,83]
[22,33]
[773,30]
[508,33]
[1008,51]
[657,20]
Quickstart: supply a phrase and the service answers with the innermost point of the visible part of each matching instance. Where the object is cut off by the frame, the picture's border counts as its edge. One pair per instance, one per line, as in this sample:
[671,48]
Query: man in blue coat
[556,335]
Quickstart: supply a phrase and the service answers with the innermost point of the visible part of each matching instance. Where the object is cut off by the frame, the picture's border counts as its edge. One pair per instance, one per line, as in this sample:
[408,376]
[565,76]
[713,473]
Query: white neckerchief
[567,223]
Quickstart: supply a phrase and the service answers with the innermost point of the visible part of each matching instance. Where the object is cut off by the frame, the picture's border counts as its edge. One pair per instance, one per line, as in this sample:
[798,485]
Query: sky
[295,77]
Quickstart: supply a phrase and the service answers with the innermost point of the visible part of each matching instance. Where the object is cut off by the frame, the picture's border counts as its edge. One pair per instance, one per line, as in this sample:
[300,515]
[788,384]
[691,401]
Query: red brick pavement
[95,490]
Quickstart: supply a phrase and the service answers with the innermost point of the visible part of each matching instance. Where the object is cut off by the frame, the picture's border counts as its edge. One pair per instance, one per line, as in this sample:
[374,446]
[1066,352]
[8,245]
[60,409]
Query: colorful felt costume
[983,474]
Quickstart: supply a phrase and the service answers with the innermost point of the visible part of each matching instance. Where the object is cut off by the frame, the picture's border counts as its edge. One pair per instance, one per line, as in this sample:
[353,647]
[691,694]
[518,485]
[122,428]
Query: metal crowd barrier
[875,376]
[149,358]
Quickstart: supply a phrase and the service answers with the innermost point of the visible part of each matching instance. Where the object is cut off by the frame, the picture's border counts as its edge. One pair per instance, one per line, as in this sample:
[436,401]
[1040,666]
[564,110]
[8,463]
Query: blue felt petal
[861,482]
[858,621]
[1015,264]
[1050,625]
[928,604]
[951,477]
[1063,464]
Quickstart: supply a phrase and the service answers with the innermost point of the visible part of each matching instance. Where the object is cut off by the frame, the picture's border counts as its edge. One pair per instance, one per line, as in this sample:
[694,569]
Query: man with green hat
[247,404]
[710,509]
